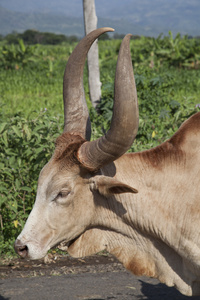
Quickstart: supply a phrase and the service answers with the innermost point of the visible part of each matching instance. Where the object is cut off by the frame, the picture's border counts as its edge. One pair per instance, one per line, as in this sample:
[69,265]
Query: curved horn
[76,116]
[124,124]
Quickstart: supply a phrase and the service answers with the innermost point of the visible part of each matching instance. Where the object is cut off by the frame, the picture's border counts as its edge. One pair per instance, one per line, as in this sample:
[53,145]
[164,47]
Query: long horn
[76,116]
[124,124]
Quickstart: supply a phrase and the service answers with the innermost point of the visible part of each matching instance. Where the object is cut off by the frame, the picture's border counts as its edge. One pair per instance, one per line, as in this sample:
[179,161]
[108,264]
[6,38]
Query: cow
[143,207]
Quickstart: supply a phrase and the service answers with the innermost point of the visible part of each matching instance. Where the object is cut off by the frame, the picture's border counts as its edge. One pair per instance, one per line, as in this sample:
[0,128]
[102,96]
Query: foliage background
[166,71]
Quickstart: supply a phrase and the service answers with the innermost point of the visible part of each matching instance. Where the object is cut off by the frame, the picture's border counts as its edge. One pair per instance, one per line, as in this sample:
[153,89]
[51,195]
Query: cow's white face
[64,206]
[62,210]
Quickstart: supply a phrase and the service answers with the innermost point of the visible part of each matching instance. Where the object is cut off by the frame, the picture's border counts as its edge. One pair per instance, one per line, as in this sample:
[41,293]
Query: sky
[158,15]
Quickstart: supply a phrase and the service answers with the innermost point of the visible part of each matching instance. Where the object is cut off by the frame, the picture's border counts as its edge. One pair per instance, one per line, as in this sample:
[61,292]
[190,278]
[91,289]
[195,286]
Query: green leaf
[17,131]
[5,139]
[25,188]
[2,127]
[40,149]
[27,132]
[2,200]
[17,183]
[1,166]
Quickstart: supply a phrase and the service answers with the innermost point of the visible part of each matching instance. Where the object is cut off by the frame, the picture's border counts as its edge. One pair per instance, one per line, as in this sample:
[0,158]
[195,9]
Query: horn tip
[108,29]
[129,35]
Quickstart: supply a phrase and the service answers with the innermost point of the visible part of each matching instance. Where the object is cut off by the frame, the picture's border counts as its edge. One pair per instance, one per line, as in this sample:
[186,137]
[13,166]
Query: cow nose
[21,249]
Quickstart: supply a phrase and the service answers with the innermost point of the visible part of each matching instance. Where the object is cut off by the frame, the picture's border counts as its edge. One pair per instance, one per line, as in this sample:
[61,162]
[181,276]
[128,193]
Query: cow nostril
[21,249]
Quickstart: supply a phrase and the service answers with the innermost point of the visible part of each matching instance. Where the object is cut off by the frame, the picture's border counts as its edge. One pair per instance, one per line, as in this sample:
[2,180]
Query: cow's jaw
[50,221]
[35,239]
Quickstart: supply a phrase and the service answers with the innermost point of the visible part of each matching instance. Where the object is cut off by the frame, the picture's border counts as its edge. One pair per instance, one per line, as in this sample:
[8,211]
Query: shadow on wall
[161,291]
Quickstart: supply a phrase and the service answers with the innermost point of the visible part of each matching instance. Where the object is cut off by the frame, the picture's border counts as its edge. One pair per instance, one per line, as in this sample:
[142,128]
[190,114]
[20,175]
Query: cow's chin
[35,252]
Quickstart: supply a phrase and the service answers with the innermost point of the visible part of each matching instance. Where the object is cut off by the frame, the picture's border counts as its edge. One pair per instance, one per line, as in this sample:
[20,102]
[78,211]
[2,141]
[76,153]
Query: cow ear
[109,186]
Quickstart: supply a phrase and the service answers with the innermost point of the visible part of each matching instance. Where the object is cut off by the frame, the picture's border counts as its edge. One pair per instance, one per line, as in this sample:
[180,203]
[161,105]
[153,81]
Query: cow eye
[63,194]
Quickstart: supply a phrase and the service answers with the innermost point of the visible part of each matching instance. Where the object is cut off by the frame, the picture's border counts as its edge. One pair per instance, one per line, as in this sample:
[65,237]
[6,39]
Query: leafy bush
[16,56]
[25,146]
[167,51]
[163,103]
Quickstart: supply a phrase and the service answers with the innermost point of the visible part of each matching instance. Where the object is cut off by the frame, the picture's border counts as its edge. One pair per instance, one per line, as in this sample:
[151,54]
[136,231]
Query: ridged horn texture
[124,125]
[76,116]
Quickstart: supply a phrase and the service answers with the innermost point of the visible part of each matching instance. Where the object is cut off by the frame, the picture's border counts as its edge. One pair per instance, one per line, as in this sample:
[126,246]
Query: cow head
[71,183]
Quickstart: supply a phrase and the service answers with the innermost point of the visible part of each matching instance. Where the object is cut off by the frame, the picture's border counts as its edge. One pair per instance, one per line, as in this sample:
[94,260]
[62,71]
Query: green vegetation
[167,74]
[32,37]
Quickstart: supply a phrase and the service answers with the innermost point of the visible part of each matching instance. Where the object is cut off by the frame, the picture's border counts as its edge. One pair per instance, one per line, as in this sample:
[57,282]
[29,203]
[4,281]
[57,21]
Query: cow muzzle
[21,249]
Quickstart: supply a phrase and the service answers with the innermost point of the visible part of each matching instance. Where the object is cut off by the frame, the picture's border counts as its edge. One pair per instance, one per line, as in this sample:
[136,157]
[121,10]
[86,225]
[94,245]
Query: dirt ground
[56,264]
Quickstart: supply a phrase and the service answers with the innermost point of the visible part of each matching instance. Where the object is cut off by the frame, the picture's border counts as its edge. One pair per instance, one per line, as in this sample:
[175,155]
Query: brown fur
[188,130]
[140,268]
[67,145]
[163,154]
[175,150]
